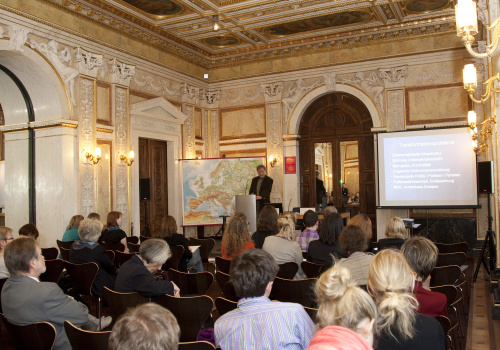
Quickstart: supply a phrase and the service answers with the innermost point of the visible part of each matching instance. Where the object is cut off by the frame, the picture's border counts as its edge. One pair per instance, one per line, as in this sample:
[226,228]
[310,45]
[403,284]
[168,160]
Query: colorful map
[209,187]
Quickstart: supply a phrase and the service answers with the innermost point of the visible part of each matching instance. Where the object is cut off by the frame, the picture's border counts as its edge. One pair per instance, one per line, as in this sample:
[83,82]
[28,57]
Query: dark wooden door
[153,165]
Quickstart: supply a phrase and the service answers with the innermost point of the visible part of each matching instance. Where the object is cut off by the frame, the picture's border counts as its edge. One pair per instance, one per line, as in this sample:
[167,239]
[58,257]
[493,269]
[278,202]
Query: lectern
[247,205]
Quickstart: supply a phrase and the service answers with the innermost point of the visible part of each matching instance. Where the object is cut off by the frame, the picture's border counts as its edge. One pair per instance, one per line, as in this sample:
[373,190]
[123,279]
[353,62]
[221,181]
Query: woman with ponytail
[346,313]
[391,282]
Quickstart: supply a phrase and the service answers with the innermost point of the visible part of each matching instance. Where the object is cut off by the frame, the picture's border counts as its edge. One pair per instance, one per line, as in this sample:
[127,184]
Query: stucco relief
[189,147]
[86,136]
[17,37]
[121,73]
[205,130]
[395,113]
[272,92]
[214,133]
[370,83]
[294,92]
[210,98]
[241,96]
[148,83]
[121,148]
[190,93]
[153,125]
[330,81]
[88,63]
[431,74]
[394,77]
[275,148]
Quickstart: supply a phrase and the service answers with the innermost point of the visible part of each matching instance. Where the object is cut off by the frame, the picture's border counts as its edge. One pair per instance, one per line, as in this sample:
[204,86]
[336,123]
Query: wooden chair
[133,248]
[446,325]
[313,270]
[452,247]
[295,291]
[50,253]
[311,312]
[143,238]
[196,345]
[226,286]
[191,283]
[40,335]
[133,239]
[116,246]
[452,299]
[223,265]
[446,259]
[190,312]
[288,270]
[121,258]
[120,302]
[2,282]
[111,255]
[85,340]
[53,271]
[66,244]
[173,261]
[224,305]
[206,247]
[64,253]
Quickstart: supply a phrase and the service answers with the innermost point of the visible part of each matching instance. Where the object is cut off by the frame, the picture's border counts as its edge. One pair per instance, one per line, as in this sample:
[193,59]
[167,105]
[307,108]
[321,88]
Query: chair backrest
[190,312]
[84,340]
[228,292]
[449,291]
[120,302]
[206,246]
[173,261]
[196,345]
[444,275]
[224,305]
[50,253]
[312,312]
[445,323]
[64,253]
[222,264]
[66,244]
[191,283]
[53,271]
[40,335]
[82,276]
[2,282]
[132,239]
[288,270]
[111,255]
[452,247]
[133,248]
[295,291]
[113,246]
[143,238]
[445,259]
[313,270]
[121,258]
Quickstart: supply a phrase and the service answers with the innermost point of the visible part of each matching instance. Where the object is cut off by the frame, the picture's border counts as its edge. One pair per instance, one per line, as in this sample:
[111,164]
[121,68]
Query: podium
[247,204]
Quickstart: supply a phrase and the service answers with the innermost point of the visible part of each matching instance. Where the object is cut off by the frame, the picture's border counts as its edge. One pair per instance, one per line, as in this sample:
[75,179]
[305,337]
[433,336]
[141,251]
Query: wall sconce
[94,158]
[470,83]
[128,160]
[215,21]
[272,161]
[481,141]
[466,18]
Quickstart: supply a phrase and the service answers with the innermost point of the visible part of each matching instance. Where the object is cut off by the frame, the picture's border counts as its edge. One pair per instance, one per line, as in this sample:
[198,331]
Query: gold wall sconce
[128,160]
[272,161]
[481,140]
[470,83]
[94,158]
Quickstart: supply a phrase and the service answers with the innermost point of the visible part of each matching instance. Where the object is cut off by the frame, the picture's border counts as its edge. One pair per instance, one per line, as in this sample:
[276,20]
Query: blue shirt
[259,323]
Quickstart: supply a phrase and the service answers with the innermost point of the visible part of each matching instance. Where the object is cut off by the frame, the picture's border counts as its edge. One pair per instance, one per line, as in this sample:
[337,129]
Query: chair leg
[99,311]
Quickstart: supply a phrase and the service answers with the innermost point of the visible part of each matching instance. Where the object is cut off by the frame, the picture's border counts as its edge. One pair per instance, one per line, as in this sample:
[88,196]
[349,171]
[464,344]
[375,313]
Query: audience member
[236,237]
[88,250]
[145,327]
[29,230]
[71,233]
[291,215]
[346,313]
[94,216]
[353,242]
[395,233]
[283,248]
[169,233]
[113,234]
[259,323]
[399,325]
[330,209]
[267,225]
[421,254]
[311,223]
[325,250]
[136,275]
[5,238]
[330,200]
[363,221]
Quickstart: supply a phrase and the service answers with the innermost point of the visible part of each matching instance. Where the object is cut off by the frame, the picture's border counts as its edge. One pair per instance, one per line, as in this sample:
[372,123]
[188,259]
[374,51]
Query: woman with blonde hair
[283,247]
[395,234]
[71,233]
[236,237]
[363,221]
[346,313]
[391,282]
[5,238]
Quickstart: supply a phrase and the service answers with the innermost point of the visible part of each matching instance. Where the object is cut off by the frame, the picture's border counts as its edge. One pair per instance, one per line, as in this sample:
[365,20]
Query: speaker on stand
[145,196]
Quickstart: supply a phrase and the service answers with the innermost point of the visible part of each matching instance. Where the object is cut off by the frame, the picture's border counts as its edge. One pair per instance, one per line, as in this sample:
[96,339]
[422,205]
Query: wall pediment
[160,109]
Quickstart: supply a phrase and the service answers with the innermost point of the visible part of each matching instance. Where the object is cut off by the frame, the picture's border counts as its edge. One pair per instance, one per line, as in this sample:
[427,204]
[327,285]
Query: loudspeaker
[144,191]
[485,177]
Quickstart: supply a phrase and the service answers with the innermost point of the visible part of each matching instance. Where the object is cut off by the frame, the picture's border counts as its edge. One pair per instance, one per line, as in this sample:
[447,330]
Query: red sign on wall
[290,165]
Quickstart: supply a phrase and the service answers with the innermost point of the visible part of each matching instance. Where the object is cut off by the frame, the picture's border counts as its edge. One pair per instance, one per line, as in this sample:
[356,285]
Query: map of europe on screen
[209,187]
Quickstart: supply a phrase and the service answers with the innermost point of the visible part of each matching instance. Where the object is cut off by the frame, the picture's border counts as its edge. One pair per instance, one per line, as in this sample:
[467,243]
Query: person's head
[154,252]
[342,303]
[290,215]
[287,228]
[421,254]
[5,237]
[268,219]
[145,327]
[29,230]
[94,216]
[395,228]
[330,209]
[391,281]
[75,222]
[363,221]
[352,239]
[317,174]
[330,199]
[236,234]
[261,170]
[252,273]
[89,230]
[310,218]
[168,227]
[114,219]
[23,256]
[331,227]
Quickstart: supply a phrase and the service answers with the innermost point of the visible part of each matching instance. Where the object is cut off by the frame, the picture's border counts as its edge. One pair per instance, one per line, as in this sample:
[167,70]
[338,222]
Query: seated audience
[395,233]
[363,221]
[88,250]
[169,233]
[421,254]
[356,197]
[136,275]
[350,198]
[291,215]
[283,248]
[330,209]
[29,230]
[236,237]
[352,241]
[330,200]
[113,234]
[71,233]
[5,238]
[259,323]
[267,225]
[399,325]
[325,250]
[311,222]
[145,327]
[346,313]
[94,216]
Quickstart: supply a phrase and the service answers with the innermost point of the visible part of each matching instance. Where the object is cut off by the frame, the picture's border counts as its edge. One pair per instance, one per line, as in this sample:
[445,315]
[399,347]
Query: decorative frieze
[17,37]
[88,63]
[394,77]
[87,144]
[121,73]
[121,137]
[275,149]
[272,92]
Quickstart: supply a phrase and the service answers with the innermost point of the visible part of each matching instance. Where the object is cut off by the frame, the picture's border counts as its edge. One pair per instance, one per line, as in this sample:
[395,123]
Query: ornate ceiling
[255,30]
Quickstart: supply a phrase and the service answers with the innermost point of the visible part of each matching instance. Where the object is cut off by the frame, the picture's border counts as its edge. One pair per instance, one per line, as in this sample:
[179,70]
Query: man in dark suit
[320,189]
[262,185]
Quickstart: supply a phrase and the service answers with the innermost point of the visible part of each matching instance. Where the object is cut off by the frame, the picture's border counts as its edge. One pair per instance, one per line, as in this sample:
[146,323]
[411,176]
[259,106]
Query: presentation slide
[427,168]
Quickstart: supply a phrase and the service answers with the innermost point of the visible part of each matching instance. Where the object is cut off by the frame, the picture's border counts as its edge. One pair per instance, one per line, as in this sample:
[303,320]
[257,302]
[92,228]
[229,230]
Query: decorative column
[210,110]
[190,96]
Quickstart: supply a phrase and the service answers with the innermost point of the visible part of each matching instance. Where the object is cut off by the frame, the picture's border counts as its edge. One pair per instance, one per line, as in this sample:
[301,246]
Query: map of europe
[209,187]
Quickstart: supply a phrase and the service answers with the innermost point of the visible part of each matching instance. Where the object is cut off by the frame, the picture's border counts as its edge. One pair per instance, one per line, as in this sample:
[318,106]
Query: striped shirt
[259,323]
[305,237]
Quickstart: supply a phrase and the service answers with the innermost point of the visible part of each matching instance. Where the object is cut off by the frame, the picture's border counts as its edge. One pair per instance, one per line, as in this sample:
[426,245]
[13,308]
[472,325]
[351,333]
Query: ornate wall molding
[121,147]
[330,81]
[17,37]
[210,99]
[88,63]
[190,94]
[272,92]
[121,73]
[188,132]
[240,96]
[395,110]
[295,91]
[87,144]
[150,84]
[275,148]
[394,77]
[370,83]
[214,134]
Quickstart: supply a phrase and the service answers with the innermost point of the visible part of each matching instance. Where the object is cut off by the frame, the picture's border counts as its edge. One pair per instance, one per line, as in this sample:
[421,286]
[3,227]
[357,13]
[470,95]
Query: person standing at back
[262,185]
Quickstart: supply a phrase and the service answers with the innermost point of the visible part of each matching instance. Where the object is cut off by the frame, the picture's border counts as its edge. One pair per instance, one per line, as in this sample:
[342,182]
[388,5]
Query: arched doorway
[341,124]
